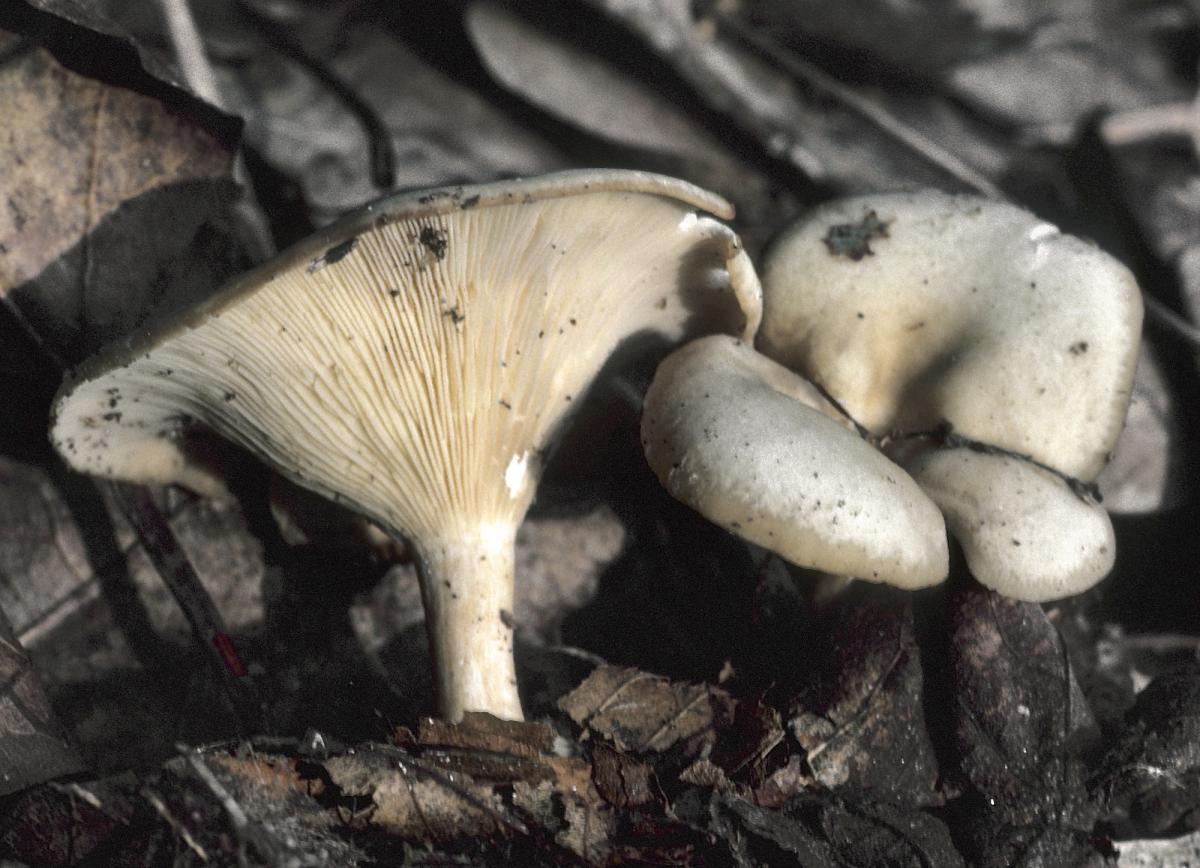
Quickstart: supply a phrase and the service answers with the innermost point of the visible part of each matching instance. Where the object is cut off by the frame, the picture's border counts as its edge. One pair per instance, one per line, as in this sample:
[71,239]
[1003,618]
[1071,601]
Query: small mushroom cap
[414,360]
[746,443]
[915,308]
[1024,533]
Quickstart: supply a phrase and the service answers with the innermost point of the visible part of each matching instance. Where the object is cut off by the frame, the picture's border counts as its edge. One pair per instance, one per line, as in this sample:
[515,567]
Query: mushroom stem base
[467,587]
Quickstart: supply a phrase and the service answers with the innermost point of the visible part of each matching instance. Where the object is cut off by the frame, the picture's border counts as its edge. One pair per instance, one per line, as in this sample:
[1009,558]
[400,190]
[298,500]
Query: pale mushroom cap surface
[914,308]
[1023,532]
[746,443]
[414,359]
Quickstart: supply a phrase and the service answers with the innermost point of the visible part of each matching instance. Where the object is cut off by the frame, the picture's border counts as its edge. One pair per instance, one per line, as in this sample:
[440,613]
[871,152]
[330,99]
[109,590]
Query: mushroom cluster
[927,363]
[987,355]
[414,361]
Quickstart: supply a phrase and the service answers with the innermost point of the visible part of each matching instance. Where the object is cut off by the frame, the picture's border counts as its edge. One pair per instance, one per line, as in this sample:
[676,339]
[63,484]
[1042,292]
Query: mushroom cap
[915,308]
[414,359]
[1024,533]
[748,444]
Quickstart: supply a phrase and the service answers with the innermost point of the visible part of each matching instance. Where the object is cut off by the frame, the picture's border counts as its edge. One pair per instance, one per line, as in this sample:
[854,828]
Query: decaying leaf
[407,798]
[1150,781]
[814,832]
[624,781]
[639,712]
[863,724]
[32,746]
[135,215]
[1021,729]
[424,800]
[55,825]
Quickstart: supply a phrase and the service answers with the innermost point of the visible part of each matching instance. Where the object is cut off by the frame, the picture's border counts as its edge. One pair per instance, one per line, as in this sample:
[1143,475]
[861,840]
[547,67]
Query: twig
[1162,317]
[177,827]
[876,114]
[379,141]
[248,832]
[172,563]
[1160,121]
[200,78]
[189,52]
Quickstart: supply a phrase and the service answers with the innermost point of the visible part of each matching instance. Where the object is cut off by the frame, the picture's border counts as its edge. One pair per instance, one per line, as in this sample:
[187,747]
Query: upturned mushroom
[755,449]
[989,353]
[415,361]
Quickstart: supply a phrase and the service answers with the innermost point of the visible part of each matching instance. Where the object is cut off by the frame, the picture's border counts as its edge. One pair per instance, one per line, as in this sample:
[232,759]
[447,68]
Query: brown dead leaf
[33,748]
[556,798]
[492,750]
[784,783]
[268,771]
[414,802]
[74,150]
[625,782]
[113,202]
[705,773]
[755,732]
[484,732]
[641,712]
[863,725]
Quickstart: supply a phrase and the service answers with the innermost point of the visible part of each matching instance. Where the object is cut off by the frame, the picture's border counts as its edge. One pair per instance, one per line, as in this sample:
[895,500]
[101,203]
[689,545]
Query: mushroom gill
[414,362]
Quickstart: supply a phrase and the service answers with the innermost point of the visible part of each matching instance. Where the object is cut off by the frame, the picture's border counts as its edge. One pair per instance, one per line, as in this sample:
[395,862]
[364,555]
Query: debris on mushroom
[923,314]
[414,361]
[752,447]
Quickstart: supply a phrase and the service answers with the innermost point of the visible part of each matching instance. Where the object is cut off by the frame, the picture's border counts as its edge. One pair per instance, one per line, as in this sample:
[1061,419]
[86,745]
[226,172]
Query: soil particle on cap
[853,240]
[336,253]
[1078,348]
[434,240]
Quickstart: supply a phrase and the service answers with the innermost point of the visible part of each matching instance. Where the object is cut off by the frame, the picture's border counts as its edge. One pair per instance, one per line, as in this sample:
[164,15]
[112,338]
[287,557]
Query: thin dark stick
[379,142]
[912,139]
[177,572]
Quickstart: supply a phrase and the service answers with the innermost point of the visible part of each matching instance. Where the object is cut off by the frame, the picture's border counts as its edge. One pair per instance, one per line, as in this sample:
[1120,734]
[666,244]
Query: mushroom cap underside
[740,439]
[415,359]
[918,308]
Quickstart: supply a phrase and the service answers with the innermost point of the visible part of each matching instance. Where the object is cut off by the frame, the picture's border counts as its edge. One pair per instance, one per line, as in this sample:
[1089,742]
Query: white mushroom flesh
[911,309]
[1023,532]
[747,444]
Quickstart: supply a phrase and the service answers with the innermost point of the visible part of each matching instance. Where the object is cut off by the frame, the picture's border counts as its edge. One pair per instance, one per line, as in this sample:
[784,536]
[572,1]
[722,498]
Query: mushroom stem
[467,587]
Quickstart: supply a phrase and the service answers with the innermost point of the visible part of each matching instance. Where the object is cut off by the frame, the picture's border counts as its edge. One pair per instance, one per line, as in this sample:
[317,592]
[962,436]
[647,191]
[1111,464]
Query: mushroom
[752,447]
[1022,531]
[943,321]
[415,361]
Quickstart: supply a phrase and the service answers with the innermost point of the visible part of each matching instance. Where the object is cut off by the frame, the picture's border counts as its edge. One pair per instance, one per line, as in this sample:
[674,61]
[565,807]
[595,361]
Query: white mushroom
[750,446]
[920,311]
[414,361]
[1022,531]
